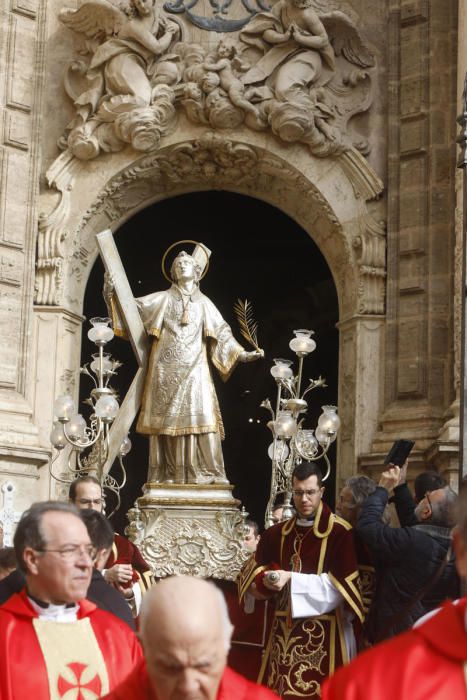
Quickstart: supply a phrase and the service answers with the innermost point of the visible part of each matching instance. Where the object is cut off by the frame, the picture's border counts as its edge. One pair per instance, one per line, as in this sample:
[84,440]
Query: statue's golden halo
[203,247]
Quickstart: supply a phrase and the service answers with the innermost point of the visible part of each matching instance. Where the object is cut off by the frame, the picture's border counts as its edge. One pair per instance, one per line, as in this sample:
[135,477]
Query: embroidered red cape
[302,652]
[425,663]
[232,687]
[23,672]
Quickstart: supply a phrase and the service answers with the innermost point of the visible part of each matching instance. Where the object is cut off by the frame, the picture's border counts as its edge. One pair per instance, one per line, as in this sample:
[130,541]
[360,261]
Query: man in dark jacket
[415,568]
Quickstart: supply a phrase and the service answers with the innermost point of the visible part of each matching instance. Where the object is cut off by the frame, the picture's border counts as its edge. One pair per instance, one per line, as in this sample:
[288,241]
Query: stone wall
[381,209]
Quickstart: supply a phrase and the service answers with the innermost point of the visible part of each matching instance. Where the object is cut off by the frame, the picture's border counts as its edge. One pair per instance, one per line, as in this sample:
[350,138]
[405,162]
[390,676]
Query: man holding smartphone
[415,569]
[425,663]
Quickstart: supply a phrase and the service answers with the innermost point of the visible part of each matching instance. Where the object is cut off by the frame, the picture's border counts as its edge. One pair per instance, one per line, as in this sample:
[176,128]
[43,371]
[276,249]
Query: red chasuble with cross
[303,651]
[47,660]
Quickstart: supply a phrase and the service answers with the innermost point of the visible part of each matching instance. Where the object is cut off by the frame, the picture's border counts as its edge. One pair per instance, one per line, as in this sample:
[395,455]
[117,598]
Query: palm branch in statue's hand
[248,326]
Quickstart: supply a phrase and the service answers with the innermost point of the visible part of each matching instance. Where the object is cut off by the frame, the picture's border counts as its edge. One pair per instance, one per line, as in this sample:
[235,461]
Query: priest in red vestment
[315,586]
[185,631]
[53,643]
[426,663]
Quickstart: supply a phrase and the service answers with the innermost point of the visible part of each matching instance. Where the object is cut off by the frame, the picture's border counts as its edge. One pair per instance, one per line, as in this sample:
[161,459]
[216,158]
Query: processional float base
[192,529]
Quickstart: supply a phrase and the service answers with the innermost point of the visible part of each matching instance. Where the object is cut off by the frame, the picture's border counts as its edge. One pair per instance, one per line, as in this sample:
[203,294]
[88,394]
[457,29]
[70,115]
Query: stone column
[22,25]
[419,387]
[361,345]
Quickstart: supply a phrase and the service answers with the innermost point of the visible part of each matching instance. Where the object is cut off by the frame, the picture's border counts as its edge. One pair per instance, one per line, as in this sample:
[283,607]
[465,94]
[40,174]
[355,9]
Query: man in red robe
[52,641]
[426,663]
[185,632]
[308,564]
[251,619]
[125,568]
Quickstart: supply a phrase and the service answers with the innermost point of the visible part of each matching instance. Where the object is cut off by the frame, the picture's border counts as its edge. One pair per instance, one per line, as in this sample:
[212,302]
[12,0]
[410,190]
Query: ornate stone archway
[327,197]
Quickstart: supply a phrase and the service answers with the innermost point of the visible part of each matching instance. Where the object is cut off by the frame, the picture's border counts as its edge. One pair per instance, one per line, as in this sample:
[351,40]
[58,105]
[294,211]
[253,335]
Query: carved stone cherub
[233,86]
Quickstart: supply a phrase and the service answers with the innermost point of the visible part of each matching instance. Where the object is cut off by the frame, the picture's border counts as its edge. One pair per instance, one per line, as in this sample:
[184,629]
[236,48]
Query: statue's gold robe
[180,410]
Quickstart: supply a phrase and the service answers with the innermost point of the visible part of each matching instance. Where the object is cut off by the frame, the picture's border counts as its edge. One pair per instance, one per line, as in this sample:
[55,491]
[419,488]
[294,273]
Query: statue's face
[224,50]
[143,7]
[184,268]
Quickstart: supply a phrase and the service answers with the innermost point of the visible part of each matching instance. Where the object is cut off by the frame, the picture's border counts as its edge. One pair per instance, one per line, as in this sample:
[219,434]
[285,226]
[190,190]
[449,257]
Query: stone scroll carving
[292,70]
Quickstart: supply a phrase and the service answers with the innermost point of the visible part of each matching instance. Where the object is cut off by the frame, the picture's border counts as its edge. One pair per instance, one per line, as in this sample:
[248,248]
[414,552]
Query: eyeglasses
[308,494]
[73,551]
[90,501]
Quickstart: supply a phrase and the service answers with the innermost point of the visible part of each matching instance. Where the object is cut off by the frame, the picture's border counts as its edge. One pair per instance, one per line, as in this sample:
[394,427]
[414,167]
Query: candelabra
[291,442]
[90,443]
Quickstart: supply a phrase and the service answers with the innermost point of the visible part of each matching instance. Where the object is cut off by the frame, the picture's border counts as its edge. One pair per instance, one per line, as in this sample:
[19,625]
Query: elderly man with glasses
[308,566]
[53,642]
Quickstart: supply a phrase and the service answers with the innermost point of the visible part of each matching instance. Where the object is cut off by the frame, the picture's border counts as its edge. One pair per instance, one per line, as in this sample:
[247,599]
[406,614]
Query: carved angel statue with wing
[303,64]
[122,71]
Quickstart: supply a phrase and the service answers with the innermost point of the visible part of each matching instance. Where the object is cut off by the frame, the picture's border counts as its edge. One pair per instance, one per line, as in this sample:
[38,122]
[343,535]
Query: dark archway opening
[258,253]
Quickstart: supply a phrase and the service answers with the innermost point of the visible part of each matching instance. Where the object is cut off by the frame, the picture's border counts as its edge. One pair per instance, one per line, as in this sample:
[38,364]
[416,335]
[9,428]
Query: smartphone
[399,452]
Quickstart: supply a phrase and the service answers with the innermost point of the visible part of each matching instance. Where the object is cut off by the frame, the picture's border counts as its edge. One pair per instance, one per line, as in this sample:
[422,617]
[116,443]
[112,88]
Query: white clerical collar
[55,613]
[305,522]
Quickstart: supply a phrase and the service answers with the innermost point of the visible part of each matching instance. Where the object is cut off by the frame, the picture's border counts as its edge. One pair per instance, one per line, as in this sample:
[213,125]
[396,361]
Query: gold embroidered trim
[349,580]
[316,530]
[248,576]
[342,522]
[322,554]
[72,657]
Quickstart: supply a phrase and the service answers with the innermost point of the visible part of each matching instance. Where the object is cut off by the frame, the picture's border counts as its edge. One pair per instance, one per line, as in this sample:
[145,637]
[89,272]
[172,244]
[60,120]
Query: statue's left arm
[225,351]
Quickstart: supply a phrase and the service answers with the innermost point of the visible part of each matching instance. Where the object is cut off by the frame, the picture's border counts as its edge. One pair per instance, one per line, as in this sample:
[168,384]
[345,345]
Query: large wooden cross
[136,334]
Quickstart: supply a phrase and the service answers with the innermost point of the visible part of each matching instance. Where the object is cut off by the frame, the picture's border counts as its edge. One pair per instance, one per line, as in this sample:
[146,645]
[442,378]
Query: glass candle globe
[281,369]
[281,450]
[57,436]
[64,407]
[107,364]
[76,428]
[329,422]
[285,425]
[100,333]
[306,443]
[106,408]
[125,447]
[322,436]
[302,344]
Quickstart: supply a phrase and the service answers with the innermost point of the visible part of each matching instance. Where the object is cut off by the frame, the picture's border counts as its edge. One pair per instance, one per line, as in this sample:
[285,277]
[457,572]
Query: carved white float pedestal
[190,529]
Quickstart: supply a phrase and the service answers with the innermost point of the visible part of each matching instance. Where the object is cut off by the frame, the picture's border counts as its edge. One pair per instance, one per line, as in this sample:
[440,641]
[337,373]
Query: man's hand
[284,578]
[119,573]
[403,474]
[390,478]
[126,592]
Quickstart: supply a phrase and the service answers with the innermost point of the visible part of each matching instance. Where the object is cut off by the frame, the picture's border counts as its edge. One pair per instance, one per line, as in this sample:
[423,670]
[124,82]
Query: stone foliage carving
[300,74]
[195,546]
[211,161]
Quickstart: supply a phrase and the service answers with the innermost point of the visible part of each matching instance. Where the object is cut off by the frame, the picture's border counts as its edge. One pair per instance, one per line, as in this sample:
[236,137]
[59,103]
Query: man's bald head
[185,632]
